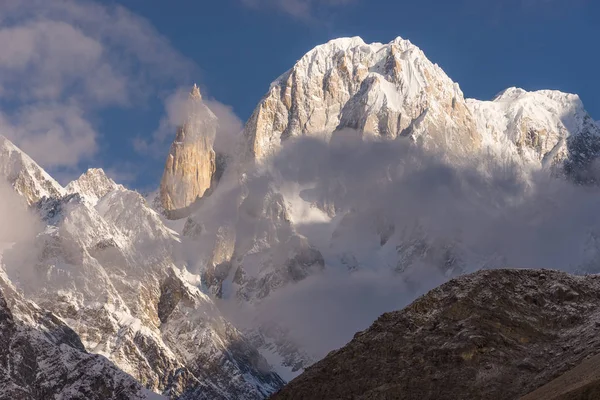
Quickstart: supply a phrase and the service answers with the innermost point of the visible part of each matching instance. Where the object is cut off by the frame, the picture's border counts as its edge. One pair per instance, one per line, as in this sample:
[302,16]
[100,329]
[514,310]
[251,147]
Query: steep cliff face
[491,335]
[191,162]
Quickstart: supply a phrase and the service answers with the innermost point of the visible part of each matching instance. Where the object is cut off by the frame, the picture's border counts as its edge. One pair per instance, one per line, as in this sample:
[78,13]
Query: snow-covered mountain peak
[26,177]
[568,102]
[509,94]
[514,93]
[403,43]
[93,185]
[337,44]
[532,126]
[386,90]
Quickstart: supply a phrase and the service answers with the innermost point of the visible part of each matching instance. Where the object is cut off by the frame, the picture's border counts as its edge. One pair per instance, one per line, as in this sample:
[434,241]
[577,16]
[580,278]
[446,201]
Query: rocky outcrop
[491,335]
[191,162]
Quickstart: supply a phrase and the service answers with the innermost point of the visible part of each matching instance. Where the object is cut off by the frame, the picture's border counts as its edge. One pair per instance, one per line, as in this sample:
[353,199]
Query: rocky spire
[191,162]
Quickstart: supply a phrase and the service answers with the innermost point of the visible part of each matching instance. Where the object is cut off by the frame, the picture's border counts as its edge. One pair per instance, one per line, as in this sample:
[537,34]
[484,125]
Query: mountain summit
[392,90]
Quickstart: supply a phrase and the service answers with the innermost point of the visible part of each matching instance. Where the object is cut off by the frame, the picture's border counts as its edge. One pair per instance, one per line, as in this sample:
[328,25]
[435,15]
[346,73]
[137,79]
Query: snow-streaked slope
[27,178]
[107,266]
[42,358]
[532,126]
[93,185]
[383,90]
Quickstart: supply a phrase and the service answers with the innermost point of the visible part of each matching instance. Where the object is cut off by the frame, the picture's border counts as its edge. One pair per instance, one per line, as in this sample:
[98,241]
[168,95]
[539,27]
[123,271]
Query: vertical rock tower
[191,161]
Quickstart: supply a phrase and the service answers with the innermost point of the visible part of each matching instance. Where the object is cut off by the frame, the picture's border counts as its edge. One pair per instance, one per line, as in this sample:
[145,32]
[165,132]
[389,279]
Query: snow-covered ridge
[391,90]
[107,265]
[28,178]
[93,185]
[41,351]
[533,125]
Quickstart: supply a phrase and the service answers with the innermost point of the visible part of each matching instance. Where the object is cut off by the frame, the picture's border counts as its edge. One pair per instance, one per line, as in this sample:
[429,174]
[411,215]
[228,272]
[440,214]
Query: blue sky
[485,45]
[234,48]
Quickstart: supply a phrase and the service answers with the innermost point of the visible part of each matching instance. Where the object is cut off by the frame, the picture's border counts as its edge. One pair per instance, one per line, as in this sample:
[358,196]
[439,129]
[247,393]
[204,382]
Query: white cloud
[53,133]
[17,222]
[63,61]
[447,218]
[45,60]
[302,9]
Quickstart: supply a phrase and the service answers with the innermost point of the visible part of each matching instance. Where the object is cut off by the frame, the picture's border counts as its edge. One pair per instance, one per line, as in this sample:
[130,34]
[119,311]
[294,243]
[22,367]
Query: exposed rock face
[191,162]
[492,335]
[383,90]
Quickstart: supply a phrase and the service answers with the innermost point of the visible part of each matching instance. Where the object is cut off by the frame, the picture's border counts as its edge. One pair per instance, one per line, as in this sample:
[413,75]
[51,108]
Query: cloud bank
[65,61]
[411,219]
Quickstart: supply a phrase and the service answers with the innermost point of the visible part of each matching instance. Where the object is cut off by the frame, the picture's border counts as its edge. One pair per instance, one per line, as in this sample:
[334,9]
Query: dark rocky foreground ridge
[496,334]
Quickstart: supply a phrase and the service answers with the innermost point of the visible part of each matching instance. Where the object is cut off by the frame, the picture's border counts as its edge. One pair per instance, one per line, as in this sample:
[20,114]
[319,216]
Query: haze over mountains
[362,179]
